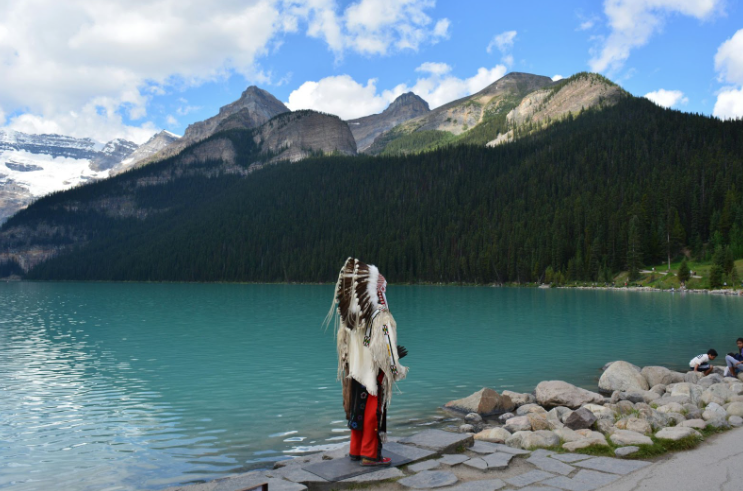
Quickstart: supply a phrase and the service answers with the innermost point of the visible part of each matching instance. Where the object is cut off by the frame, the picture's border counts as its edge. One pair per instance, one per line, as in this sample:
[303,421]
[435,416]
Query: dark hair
[712,352]
[739,340]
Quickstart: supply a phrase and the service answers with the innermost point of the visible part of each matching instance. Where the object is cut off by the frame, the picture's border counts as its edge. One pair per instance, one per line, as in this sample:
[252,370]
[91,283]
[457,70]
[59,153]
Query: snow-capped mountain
[34,165]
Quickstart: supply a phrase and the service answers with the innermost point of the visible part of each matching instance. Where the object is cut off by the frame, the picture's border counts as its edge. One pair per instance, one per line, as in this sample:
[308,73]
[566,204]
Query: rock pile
[638,403]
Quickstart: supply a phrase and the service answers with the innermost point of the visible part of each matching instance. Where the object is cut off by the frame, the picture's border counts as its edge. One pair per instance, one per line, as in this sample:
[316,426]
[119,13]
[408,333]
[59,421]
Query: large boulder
[635,424]
[530,408]
[735,409]
[627,437]
[484,402]
[714,411]
[558,393]
[580,419]
[533,439]
[518,398]
[624,377]
[719,393]
[711,379]
[567,435]
[677,433]
[698,424]
[493,435]
[518,423]
[661,375]
[684,389]
[538,421]
[594,438]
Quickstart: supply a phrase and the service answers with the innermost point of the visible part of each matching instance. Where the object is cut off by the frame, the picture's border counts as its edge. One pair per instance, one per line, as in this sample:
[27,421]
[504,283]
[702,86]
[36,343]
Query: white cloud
[171,121]
[343,96]
[584,26]
[729,104]
[504,42]
[77,66]
[434,68]
[729,65]
[633,22]
[667,98]
[555,78]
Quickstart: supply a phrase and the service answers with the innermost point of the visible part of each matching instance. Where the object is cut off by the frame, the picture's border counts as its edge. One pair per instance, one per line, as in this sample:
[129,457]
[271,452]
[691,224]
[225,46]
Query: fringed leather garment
[366,335]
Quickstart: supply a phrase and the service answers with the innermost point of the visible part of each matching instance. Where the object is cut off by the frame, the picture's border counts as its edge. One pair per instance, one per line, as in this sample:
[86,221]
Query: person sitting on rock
[734,361]
[700,363]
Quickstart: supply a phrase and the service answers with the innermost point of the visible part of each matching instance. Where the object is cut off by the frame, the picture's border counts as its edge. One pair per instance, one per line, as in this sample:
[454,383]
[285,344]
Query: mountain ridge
[405,107]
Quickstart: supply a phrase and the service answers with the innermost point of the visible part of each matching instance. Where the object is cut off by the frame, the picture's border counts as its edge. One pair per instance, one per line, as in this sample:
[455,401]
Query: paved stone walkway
[445,461]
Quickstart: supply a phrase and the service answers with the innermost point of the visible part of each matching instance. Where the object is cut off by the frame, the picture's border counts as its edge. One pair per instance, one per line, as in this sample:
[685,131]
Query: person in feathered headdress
[368,357]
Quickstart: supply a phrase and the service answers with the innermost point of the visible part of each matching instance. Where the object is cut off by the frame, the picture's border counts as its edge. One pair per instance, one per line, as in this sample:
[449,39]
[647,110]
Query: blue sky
[128,68]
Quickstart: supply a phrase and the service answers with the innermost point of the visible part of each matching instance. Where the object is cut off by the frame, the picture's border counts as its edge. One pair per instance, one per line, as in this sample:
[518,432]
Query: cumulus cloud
[667,98]
[555,78]
[633,22]
[729,65]
[349,99]
[79,67]
[504,42]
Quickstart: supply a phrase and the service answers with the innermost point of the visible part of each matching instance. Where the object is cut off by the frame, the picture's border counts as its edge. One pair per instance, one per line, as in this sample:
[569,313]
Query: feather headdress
[366,332]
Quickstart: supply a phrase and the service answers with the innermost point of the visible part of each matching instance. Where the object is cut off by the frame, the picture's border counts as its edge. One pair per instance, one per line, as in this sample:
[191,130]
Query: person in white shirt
[700,363]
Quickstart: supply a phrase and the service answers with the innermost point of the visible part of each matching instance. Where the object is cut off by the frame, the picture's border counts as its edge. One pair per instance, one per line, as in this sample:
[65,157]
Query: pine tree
[634,256]
[684,274]
[715,276]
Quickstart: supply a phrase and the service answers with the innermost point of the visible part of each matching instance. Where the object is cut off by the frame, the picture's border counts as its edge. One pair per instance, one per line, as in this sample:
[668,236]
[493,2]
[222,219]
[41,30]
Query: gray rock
[698,424]
[669,399]
[484,402]
[506,416]
[376,476]
[603,369]
[735,421]
[530,408]
[677,433]
[710,380]
[453,459]
[238,482]
[473,418]
[719,423]
[518,423]
[539,421]
[527,478]
[626,407]
[719,393]
[614,466]
[735,409]
[426,465]
[438,440]
[580,419]
[714,411]
[569,458]
[661,375]
[626,451]
[605,426]
[558,393]
[536,439]
[692,411]
[518,398]
[626,437]
[594,439]
[511,450]
[659,389]
[466,429]
[429,480]
[405,107]
[633,423]
[692,377]
[622,376]
[484,485]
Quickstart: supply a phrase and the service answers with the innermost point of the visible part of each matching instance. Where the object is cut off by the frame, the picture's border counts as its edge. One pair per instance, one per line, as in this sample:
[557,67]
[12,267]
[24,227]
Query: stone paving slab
[438,440]
[295,474]
[483,447]
[498,460]
[477,463]
[453,459]
[551,465]
[341,469]
[484,485]
[240,483]
[511,450]
[380,475]
[429,480]
[540,488]
[614,466]
[583,481]
[413,454]
[426,465]
[570,457]
[527,478]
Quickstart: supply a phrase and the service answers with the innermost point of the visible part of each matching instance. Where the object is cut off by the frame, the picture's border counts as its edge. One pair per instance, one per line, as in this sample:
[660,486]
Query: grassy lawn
[657,279]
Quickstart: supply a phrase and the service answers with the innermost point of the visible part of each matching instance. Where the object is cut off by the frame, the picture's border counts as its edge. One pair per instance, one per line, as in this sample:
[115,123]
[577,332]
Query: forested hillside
[585,198]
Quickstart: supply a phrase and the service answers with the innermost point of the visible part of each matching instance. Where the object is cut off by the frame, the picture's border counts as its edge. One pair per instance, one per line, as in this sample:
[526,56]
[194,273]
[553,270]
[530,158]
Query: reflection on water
[139,386]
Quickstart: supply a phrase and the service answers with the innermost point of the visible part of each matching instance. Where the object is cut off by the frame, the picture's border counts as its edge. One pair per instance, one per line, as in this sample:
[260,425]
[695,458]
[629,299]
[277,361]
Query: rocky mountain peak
[408,100]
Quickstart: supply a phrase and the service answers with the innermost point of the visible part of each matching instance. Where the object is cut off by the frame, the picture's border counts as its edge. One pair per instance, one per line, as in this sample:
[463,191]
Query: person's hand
[402,352]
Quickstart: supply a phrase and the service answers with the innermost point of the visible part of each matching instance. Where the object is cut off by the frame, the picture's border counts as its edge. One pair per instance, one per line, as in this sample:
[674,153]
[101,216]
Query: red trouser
[365,442]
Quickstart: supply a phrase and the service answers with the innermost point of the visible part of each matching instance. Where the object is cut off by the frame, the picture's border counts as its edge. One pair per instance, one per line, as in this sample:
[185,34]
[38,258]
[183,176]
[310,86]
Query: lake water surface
[144,386]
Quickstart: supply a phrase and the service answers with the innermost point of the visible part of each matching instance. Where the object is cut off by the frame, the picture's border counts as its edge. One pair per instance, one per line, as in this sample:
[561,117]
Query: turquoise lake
[144,386]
